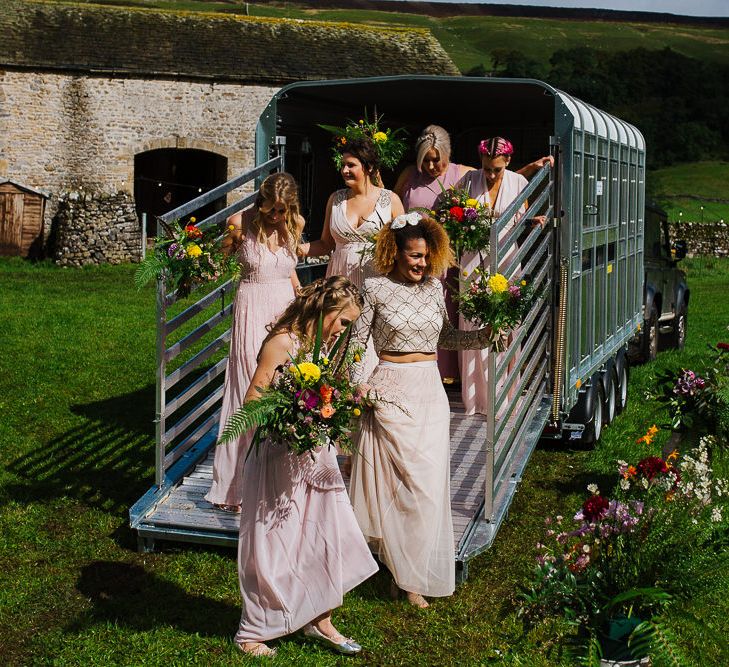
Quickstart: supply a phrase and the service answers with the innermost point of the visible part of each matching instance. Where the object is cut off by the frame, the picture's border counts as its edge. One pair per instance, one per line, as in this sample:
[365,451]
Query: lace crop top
[410,317]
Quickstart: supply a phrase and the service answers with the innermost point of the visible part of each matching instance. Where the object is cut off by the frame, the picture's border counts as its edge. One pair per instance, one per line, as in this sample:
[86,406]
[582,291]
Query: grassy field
[470,40]
[76,445]
[704,181]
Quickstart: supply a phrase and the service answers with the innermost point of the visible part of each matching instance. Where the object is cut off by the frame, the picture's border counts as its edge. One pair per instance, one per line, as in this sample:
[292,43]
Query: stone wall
[95,228]
[85,88]
[702,238]
[67,133]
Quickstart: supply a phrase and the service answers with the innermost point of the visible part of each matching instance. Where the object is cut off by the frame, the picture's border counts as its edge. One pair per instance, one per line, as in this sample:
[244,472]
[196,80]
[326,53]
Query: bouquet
[311,402]
[494,300]
[390,148]
[187,256]
[467,221]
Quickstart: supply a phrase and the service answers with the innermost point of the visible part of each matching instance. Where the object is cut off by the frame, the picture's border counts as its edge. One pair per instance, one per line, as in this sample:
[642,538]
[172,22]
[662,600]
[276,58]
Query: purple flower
[175,251]
[308,397]
[470,213]
[515,291]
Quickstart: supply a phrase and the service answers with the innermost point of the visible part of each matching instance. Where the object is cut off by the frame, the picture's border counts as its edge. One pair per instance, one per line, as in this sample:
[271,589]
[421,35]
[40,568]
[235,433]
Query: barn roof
[136,41]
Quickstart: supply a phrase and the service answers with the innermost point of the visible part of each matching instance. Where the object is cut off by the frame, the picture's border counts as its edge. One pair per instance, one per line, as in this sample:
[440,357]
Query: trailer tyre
[622,387]
[611,398]
[593,429]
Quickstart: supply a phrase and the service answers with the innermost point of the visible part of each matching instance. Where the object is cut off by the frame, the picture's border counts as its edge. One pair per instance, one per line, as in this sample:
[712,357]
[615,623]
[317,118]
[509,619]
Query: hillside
[470,40]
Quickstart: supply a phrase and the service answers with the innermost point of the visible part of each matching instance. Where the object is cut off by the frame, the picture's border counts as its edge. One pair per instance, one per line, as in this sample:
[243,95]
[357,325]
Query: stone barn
[116,113]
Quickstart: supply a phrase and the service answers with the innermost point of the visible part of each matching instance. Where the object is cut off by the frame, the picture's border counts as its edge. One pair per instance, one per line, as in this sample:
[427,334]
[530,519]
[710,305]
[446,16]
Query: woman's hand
[501,340]
[537,221]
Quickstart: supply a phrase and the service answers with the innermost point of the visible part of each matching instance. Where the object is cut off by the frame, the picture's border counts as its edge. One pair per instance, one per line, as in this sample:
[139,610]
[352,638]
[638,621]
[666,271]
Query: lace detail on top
[259,264]
[341,228]
[410,317]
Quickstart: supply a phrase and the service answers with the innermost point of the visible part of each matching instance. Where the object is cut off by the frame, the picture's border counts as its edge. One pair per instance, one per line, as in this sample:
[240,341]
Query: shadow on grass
[105,462]
[126,594]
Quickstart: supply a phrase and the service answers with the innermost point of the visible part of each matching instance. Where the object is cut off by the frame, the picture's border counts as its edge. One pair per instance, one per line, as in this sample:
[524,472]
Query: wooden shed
[21,219]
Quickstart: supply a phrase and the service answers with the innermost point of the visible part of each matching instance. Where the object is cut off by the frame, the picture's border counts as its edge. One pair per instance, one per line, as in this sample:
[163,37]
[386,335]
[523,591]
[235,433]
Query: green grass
[704,181]
[470,40]
[76,445]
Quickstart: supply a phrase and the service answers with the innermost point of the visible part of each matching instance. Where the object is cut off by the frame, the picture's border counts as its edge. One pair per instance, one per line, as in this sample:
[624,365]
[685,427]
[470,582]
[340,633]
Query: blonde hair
[323,296]
[433,136]
[279,187]
[391,241]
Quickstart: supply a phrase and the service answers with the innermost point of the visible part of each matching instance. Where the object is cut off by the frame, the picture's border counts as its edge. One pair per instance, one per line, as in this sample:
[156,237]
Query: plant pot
[614,643]
[638,662]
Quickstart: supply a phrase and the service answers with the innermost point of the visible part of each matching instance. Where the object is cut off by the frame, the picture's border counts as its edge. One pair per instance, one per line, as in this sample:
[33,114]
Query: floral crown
[495,147]
[389,147]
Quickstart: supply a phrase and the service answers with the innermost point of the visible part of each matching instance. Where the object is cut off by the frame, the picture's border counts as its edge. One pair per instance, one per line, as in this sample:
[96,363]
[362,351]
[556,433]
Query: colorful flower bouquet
[494,300]
[611,569]
[467,221]
[390,147]
[311,402]
[187,256]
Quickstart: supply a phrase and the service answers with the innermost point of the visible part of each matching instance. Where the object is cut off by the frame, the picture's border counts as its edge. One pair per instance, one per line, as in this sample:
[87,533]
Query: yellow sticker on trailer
[610,268]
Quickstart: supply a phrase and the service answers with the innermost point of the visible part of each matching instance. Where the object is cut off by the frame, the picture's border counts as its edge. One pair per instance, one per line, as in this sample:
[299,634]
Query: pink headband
[495,147]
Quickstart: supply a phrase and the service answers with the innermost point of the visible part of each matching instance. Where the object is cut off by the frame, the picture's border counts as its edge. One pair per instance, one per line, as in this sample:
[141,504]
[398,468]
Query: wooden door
[11,223]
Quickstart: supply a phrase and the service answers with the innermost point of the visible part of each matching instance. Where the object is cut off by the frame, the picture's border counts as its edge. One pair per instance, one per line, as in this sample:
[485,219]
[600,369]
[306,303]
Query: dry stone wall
[702,238]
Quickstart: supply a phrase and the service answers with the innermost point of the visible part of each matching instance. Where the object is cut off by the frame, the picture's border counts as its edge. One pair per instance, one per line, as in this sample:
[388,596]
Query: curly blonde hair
[323,296]
[279,187]
[391,241]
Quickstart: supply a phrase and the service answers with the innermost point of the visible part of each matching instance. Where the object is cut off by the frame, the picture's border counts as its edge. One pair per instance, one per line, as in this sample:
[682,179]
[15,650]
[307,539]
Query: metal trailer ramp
[179,511]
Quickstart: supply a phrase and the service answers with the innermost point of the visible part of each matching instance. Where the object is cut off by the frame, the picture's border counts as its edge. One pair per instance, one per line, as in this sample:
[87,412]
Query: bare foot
[417,600]
[257,649]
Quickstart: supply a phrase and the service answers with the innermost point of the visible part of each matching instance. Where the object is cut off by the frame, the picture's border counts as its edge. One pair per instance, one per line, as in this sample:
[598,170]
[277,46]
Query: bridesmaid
[400,486]
[419,186]
[300,549]
[352,215]
[496,186]
[265,238]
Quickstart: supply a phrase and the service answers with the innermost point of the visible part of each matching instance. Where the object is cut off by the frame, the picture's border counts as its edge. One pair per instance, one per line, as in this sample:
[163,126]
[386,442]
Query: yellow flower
[356,412]
[653,430]
[193,220]
[361,122]
[343,140]
[523,283]
[357,358]
[231,227]
[325,361]
[472,203]
[193,250]
[379,137]
[305,371]
[498,283]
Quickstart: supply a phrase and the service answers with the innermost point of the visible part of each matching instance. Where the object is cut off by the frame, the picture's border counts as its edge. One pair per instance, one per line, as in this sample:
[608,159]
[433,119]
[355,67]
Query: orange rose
[327,410]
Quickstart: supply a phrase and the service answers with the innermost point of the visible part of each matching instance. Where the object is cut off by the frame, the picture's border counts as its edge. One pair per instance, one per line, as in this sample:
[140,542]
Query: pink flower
[308,397]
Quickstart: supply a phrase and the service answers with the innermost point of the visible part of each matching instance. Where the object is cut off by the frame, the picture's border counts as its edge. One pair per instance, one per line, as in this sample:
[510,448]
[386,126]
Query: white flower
[644,482]
[412,218]
[716,515]
[592,488]
[586,548]
[624,484]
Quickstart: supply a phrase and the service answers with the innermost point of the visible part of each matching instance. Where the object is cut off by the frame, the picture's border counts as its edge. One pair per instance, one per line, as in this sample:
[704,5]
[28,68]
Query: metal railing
[184,415]
[517,378]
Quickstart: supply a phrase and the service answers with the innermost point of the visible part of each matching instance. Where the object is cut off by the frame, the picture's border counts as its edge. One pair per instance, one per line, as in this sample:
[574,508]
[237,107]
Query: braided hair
[321,297]
[432,137]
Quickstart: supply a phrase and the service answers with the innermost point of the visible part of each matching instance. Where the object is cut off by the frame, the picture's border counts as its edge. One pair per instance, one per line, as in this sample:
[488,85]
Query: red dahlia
[651,466]
[594,508]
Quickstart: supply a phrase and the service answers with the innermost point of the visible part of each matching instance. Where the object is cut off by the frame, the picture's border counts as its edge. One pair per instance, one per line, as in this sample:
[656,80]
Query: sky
[714,8]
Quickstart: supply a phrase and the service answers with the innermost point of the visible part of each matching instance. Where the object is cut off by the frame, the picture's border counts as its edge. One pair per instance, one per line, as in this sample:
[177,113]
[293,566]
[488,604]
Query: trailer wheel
[622,387]
[593,429]
[611,399]
[649,342]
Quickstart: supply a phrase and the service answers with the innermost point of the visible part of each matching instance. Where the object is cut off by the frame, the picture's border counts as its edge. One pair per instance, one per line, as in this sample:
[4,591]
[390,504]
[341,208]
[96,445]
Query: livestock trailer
[569,355]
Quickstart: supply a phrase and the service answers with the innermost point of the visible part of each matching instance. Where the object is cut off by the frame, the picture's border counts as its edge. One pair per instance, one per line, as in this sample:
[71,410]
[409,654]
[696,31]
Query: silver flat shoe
[346,647]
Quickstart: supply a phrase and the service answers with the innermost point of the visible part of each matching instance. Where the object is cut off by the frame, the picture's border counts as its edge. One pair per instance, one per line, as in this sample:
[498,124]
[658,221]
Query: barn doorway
[165,178]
